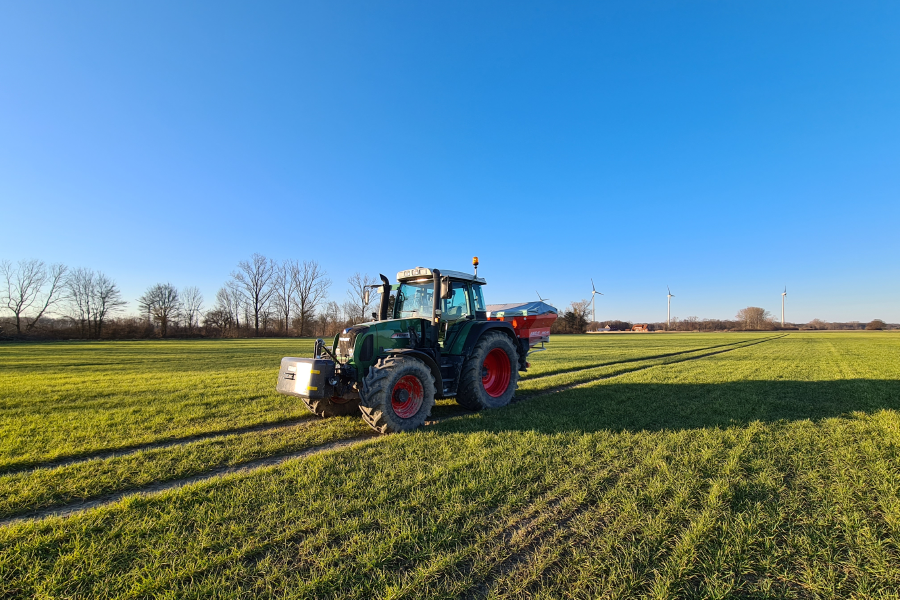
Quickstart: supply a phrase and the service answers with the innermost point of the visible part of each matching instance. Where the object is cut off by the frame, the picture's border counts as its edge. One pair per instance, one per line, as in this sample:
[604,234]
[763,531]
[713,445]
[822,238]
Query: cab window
[457,307]
[479,298]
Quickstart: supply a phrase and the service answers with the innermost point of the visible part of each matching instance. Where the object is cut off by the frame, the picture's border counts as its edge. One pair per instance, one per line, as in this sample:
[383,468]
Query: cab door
[455,312]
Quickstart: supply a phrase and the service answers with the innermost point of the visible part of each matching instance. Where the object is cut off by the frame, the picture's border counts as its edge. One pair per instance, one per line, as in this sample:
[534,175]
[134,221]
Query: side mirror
[366,296]
[446,290]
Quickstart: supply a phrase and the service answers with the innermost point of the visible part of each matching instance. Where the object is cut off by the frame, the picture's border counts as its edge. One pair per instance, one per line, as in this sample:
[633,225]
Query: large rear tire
[398,395]
[332,407]
[490,376]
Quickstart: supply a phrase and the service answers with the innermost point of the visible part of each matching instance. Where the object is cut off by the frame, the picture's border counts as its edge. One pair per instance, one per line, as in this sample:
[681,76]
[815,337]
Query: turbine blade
[592,284]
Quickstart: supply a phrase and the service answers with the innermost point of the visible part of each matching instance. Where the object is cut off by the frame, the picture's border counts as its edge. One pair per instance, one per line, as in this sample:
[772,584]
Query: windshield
[414,300]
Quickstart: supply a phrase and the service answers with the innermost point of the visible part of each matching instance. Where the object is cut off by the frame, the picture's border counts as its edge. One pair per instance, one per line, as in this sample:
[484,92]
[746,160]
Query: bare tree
[328,320]
[226,313]
[255,280]
[357,294]
[312,286]
[92,297]
[107,300]
[162,304]
[229,300]
[31,285]
[218,319]
[574,318]
[79,292]
[754,317]
[192,304]
[817,324]
[284,287]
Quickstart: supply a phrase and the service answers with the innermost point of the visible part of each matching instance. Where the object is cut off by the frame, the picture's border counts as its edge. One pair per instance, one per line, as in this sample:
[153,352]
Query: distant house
[641,327]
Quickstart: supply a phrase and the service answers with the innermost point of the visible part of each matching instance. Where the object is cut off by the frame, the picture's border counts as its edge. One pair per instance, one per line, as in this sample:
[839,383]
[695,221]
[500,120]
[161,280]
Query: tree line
[33,291]
[262,297]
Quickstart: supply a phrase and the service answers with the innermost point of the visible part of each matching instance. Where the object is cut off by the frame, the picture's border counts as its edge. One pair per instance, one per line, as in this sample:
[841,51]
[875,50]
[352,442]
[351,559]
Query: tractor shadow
[622,361]
[656,407]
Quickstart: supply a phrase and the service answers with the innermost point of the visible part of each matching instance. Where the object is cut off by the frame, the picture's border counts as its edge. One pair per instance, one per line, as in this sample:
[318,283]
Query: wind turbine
[669,311]
[547,300]
[594,292]
[783,294]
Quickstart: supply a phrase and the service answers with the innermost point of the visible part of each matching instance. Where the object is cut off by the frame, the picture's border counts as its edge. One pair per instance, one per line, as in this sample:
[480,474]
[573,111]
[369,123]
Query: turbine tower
[783,294]
[669,311]
[594,292]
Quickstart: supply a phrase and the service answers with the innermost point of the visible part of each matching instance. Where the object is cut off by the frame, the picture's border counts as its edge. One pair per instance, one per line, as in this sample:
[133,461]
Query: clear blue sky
[723,148]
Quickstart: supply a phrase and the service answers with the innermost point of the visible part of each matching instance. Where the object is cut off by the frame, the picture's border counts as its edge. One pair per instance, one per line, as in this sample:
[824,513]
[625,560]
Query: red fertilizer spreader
[530,320]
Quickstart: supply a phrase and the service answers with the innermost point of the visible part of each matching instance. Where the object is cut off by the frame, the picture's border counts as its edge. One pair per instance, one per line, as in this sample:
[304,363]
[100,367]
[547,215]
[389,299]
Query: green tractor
[434,337]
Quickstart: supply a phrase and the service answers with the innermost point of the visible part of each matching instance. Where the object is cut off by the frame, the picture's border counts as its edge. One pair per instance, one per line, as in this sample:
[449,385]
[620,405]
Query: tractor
[433,337]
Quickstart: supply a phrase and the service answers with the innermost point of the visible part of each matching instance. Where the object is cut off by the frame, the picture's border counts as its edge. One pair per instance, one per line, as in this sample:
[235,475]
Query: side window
[479,298]
[456,307]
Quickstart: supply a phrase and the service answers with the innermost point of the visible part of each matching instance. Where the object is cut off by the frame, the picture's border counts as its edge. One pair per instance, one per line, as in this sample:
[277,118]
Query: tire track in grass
[253,465]
[165,443]
[628,360]
[571,386]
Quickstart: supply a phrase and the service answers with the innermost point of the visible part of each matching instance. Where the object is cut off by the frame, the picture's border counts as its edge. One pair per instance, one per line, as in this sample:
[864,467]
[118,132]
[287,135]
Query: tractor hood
[361,342]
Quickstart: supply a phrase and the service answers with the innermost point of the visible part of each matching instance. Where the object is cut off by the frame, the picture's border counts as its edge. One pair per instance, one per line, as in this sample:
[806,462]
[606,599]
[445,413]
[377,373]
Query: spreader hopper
[530,320]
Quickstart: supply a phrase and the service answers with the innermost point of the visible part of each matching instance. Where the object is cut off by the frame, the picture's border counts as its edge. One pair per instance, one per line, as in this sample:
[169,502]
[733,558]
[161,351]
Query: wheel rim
[495,372]
[407,396]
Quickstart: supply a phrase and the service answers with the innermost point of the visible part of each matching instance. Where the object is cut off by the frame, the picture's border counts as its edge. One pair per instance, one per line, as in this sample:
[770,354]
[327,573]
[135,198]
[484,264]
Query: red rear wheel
[407,396]
[495,372]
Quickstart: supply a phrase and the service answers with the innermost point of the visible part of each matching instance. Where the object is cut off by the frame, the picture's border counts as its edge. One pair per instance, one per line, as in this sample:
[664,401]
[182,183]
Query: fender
[425,358]
[481,327]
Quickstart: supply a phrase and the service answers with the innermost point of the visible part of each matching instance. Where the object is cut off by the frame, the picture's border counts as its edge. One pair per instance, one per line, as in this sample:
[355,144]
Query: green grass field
[755,465]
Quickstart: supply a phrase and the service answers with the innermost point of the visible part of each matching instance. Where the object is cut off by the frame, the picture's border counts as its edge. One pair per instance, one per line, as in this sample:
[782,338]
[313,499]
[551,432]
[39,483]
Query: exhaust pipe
[436,301]
[385,298]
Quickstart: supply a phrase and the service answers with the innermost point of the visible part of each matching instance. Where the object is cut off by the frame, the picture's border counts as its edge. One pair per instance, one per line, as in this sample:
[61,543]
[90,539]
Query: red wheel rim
[407,395]
[495,372]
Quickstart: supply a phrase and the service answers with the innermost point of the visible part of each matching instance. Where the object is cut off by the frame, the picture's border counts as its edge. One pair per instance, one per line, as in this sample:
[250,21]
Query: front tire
[490,376]
[398,395]
[332,407]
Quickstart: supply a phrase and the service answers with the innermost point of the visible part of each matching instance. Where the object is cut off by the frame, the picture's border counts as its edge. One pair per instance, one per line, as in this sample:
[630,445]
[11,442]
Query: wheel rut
[166,443]
[564,388]
[628,360]
[248,467]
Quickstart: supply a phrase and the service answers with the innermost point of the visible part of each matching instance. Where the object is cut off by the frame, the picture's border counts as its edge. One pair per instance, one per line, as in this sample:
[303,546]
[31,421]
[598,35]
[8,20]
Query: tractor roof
[425,273]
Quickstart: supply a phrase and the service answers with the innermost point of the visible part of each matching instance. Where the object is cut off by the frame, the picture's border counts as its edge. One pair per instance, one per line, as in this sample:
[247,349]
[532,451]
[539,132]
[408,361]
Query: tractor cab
[461,300]
[461,295]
